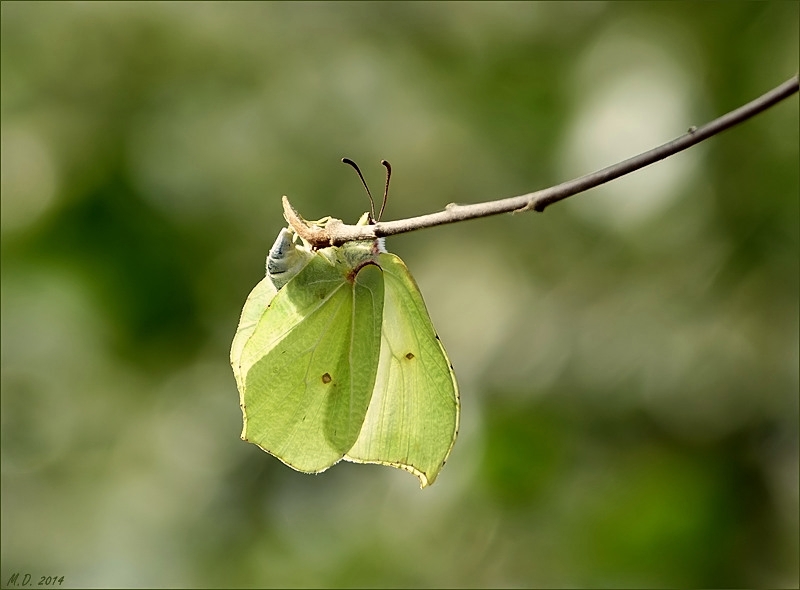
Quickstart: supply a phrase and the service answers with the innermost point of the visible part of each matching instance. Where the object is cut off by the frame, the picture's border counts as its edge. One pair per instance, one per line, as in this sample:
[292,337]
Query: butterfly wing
[412,421]
[257,302]
[308,368]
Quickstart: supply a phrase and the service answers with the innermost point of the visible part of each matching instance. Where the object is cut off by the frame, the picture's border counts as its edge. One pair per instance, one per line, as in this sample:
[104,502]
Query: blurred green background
[628,361]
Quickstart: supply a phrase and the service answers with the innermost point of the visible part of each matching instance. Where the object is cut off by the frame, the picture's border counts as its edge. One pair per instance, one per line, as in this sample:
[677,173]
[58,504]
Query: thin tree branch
[337,233]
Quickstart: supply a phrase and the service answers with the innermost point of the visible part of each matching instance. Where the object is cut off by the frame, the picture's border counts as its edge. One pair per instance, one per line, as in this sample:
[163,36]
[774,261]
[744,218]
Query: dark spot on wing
[410,355]
[326,378]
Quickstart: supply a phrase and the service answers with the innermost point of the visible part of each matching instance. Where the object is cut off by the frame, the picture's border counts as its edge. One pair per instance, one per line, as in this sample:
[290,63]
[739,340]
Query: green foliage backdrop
[628,360]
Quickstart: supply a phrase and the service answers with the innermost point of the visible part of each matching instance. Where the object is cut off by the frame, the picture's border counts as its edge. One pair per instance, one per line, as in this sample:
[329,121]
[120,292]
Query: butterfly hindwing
[412,421]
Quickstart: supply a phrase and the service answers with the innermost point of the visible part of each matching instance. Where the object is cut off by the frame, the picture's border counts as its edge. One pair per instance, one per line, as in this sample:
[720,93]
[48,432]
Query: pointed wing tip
[425,479]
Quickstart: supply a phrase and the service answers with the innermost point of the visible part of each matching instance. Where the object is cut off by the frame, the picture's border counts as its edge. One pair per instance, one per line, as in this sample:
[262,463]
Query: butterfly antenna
[386,188]
[364,182]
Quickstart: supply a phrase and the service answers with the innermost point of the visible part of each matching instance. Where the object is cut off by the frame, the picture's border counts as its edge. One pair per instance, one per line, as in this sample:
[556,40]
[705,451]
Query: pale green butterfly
[335,357]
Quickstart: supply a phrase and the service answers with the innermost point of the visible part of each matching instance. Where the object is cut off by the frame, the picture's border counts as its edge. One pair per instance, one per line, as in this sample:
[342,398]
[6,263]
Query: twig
[337,233]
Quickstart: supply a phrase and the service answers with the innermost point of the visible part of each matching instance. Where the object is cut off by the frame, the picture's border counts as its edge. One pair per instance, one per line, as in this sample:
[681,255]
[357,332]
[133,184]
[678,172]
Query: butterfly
[335,357]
